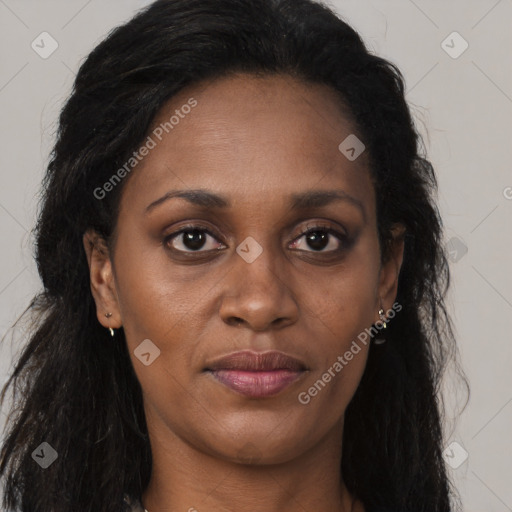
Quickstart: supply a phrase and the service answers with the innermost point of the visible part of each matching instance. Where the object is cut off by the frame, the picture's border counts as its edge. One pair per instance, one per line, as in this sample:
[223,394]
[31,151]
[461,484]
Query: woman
[243,304]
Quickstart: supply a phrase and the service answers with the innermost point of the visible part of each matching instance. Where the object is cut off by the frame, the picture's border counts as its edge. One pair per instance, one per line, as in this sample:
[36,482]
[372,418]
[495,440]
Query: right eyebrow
[198,197]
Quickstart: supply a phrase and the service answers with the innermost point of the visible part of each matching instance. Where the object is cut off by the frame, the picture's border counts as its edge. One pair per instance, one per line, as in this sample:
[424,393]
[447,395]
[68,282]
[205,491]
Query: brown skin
[256,141]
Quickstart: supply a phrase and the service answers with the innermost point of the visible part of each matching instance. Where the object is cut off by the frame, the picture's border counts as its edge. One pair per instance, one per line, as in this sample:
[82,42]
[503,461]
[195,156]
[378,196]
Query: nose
[258,294]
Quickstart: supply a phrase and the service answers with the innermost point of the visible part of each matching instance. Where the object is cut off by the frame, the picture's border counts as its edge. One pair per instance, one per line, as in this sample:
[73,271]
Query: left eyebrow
[319,198]
[300,201]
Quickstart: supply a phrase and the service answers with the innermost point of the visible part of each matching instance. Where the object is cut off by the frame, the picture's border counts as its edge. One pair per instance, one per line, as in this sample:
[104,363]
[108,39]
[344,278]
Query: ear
[102,280]
[390,269]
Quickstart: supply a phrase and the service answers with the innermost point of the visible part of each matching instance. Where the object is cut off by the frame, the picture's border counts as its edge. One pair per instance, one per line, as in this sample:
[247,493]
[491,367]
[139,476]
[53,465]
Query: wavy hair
[77,391]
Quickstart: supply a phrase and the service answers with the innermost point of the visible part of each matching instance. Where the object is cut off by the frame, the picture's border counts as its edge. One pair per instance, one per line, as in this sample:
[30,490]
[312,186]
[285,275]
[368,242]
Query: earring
[381,339]
[108,315]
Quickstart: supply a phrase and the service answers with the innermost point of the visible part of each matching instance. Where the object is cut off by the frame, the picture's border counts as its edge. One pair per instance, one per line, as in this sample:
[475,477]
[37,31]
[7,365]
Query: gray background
[462,105]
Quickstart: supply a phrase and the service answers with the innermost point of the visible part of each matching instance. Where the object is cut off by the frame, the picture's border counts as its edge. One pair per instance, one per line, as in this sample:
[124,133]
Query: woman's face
[250,277]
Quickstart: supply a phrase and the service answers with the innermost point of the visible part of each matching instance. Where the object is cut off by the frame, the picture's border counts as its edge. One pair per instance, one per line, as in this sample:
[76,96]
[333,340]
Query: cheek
[155,298]
[347,301]
[343,309]
[341,356]
[162,303]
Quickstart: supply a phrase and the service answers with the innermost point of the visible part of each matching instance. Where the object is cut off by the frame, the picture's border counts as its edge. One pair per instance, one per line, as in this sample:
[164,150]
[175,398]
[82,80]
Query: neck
[185,478]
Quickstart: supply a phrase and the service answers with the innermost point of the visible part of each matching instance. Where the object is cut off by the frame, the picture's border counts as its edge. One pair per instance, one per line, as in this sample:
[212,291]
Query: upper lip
[249,360]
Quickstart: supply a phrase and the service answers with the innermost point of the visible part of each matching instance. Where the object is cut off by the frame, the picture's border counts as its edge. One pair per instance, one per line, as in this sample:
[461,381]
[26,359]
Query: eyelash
[343,239]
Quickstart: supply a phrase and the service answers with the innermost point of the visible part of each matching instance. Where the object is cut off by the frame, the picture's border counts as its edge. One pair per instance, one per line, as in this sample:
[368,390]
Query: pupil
[318,240]
[194,239]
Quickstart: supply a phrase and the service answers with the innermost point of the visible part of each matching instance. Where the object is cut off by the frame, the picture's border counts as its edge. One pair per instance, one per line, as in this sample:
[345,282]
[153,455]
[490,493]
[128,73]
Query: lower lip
[256,384]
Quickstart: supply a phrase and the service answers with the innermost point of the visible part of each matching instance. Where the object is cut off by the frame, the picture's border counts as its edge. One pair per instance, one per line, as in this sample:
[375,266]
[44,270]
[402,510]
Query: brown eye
[192,239]
[318,238]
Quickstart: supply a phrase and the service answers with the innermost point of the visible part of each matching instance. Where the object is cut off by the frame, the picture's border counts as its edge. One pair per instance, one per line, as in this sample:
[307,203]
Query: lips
[256,374]
[257,361]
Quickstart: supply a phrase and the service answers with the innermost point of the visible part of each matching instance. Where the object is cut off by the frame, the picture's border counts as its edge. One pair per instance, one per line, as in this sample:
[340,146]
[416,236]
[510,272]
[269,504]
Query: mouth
[257,375]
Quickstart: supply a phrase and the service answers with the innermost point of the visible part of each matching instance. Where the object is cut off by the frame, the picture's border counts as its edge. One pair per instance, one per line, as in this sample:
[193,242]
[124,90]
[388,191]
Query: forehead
[249,137]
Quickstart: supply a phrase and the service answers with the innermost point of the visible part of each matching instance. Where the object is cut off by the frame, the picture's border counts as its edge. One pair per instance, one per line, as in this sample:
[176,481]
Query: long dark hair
[76,390]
